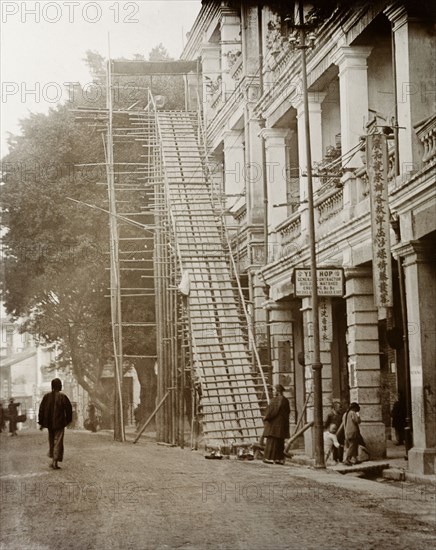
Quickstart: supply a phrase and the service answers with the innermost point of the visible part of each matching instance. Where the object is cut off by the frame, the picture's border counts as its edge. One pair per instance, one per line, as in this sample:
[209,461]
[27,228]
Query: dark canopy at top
[144,68]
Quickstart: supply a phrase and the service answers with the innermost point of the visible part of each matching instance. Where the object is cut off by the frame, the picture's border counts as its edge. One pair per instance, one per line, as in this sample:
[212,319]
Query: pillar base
[308,443]
[374,434]
[422,461]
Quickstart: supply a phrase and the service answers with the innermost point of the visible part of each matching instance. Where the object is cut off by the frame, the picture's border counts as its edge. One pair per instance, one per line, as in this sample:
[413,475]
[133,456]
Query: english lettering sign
[330,281]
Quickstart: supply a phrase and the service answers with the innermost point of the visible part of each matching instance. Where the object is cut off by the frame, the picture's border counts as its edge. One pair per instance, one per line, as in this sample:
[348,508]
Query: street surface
[121,496]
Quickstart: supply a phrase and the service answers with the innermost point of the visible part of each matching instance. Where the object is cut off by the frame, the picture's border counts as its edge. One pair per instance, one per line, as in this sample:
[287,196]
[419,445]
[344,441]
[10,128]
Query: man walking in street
[55,413]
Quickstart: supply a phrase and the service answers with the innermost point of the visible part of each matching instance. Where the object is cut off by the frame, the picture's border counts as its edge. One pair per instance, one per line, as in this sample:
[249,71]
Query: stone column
[419,272]
[253,173]
[364,357]
[315,122]
[276,143]
[230,45]
[282,355]
[324,307]
[353,87]
[234,168]
[415,69]
[211,65]
[250,37]
[257,298]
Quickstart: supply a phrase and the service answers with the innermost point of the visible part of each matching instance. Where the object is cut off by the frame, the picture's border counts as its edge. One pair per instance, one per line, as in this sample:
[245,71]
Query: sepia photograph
[217,275]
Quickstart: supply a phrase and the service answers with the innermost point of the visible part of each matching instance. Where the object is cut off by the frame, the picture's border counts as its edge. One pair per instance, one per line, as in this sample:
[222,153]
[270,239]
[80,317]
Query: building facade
[26,372]
[371,71]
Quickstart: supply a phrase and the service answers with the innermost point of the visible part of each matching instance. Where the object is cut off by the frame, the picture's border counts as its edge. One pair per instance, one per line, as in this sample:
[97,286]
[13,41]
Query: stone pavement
[393,467]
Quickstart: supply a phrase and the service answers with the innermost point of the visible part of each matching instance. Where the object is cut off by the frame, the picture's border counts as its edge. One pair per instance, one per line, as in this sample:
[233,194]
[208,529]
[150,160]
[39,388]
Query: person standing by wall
[398,415]
[13,416]
[276,427]
[2,417]
[351,422]
[55,413]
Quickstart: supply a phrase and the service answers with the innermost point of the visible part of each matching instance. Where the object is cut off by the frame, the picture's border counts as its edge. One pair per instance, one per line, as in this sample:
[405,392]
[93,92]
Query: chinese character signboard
[325,321]
[377,165]
[330,282]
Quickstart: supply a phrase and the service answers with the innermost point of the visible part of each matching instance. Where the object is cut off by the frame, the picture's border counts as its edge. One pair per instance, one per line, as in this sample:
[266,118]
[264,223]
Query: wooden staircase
[230,391]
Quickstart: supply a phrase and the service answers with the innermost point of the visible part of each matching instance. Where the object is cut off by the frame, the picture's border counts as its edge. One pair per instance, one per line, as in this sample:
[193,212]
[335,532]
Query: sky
[43,44]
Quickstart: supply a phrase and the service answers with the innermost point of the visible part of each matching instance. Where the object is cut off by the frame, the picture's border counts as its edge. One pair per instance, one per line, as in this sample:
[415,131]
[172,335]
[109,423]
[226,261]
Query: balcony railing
[236,69]
[426,132]
[281,61]
[216,99]
[329,205]
[391,164]
[288,232]
[241,215]
[362,183]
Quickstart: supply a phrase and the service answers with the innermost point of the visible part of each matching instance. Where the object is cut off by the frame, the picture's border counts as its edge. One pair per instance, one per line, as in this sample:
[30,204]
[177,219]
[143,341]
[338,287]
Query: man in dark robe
[13,416]
[398,415]
[276,427]
[55,413]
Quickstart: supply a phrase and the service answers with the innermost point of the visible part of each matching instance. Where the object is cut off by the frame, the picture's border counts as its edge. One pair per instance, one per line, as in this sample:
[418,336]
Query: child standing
[331,443]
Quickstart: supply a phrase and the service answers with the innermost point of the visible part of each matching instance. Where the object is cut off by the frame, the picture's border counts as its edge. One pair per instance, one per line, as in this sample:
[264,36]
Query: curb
[418,478]
[399,474]
[392,473]
[395,474]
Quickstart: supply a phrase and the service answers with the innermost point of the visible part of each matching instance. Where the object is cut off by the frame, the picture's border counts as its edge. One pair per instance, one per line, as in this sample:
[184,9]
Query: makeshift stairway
[221,359]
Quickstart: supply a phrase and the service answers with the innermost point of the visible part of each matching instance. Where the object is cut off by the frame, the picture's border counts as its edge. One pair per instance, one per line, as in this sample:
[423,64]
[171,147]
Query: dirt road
[121,496]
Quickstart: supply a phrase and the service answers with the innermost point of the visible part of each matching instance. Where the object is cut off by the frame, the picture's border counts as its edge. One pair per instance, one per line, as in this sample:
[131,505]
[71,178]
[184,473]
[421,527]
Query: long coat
[277,418]
[351,422]
[55,411]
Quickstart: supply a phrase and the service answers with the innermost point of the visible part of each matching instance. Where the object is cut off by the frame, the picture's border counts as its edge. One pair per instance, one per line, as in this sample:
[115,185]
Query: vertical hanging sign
[325,321]
[377,167]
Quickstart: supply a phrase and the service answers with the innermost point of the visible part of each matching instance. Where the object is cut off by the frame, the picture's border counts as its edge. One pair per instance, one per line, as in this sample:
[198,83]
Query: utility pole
[115,285]
[299,42]
[408,439]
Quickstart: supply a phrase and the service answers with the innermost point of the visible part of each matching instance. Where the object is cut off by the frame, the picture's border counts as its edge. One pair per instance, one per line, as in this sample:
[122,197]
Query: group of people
[342,437]
[10,414]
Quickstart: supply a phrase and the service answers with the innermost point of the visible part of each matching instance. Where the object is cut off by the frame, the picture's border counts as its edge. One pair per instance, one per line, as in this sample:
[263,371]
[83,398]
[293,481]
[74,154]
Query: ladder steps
[230,436]
[238,376]
[223,405]
[247,385]
[223,358]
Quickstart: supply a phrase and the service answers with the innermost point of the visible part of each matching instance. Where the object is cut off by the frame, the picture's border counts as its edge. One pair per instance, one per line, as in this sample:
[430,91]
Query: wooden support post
[297,435]
[150,418]
[301,415]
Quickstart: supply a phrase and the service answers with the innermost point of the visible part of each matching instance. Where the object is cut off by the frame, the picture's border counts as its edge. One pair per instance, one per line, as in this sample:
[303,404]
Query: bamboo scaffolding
[119,433]
[205,333]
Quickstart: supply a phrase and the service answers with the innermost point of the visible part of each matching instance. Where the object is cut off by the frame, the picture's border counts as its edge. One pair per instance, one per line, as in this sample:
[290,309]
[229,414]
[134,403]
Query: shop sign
[330,281]
[377,163]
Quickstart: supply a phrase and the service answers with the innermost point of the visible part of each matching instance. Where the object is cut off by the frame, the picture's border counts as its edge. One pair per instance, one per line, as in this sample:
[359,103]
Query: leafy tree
[55,254]
[57,251]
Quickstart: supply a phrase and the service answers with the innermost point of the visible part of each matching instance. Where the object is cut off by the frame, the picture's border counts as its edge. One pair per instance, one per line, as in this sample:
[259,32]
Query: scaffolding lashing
[204,342]
[233,416]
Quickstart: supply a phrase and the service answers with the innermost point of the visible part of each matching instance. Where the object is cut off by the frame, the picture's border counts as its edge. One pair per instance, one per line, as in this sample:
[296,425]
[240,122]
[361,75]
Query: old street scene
[218,275]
